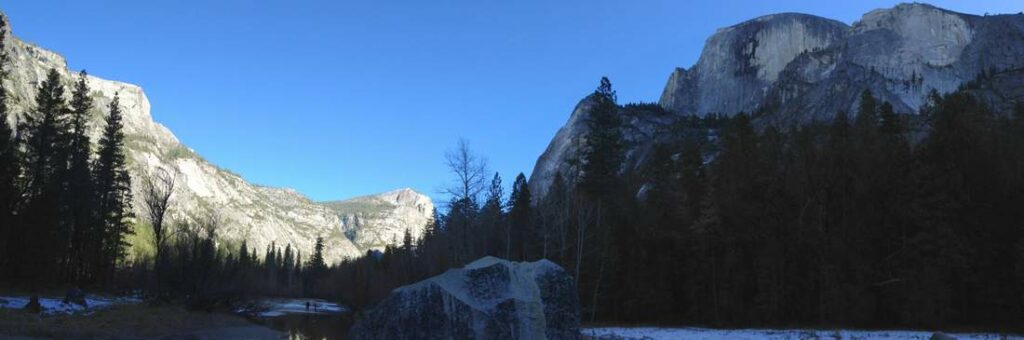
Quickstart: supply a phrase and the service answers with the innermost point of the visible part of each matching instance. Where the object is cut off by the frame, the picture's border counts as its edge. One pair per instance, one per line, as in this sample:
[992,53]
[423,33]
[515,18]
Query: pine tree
[407,242]
[602,152]
[430,229]
[521,233]
[86,239]
[113,191]
[492,221]
[243,256]
[286,267]
[892,123]
[46,146]
[10,166]
[45,133]
[317,266]
[600,183]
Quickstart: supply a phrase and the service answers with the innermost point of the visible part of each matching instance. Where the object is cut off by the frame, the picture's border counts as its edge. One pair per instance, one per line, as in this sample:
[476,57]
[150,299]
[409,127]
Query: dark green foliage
[830,224]
[317,265]
[113,194]
[603,149]
[841,224]
[521,232]
[46,144]
[492,231]
[69,214]
[86,236]
[10,169]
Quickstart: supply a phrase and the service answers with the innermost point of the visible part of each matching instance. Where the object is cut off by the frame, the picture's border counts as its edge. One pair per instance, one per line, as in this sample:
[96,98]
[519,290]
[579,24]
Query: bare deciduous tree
[156,196]
[469,170]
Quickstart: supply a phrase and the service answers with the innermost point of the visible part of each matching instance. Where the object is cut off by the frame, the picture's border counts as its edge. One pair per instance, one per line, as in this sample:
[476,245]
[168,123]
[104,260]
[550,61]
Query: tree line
[876,219]
[65,205]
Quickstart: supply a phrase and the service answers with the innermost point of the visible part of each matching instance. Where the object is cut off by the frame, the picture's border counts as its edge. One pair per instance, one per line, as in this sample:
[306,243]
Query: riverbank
[133,321]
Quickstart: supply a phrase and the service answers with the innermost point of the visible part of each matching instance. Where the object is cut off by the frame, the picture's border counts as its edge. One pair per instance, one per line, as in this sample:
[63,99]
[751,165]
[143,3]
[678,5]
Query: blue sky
[344,98]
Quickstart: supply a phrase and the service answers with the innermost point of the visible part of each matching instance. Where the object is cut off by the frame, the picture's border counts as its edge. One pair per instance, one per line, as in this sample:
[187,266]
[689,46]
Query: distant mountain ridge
[790,69]
[257,214]
[799,67]
[375,221]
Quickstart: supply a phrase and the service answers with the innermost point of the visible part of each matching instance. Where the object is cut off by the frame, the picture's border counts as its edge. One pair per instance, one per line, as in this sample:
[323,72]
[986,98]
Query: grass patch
[141,242]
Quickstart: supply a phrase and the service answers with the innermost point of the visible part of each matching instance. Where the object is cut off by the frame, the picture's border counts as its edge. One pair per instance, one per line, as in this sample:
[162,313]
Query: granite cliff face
[375,221]
[740,63]
[900,54]
[791,69]
[643,126]
[800,67]
[260,215]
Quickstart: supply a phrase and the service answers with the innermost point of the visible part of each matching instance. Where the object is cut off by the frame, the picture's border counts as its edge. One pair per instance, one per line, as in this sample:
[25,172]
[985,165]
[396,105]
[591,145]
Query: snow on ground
[279,307]
[54,306]
[654,333]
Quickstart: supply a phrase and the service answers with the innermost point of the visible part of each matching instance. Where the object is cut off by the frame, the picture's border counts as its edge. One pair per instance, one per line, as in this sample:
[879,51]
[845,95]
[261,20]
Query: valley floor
[658,333]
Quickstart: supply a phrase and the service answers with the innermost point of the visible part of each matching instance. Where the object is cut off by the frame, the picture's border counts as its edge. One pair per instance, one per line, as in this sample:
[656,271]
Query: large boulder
[490,298]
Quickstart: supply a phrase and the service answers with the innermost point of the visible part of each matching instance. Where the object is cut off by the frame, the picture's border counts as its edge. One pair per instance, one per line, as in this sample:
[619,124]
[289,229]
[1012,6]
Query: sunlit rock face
[792,69]
[375,221]
[900,54]
[798,68]
[740,63]
[490,298]
[259,215]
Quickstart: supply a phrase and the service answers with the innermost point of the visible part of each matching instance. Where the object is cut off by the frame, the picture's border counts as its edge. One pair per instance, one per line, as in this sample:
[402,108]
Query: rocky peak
[406,196]
[566,143]
[770,42]
[740,62]
[375,221]
[935,36]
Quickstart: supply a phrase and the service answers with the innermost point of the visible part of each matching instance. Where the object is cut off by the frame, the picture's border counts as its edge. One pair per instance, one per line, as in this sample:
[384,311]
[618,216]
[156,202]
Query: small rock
[941,336]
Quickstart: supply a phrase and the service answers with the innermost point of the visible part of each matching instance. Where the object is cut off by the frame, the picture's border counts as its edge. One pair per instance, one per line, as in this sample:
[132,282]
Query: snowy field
[55,306]
[279,307]
[654,333]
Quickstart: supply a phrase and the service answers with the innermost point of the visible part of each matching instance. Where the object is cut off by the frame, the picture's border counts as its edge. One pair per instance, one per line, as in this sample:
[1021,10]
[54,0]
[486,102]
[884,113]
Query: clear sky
[343,98]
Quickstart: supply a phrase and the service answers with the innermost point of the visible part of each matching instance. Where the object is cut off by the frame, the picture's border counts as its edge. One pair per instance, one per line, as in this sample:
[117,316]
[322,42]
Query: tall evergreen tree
[493,224]
[602,152]
[113,193]
[45,133]
[521,234]
[600,185]
[86,239]
[46,145]
[317,266]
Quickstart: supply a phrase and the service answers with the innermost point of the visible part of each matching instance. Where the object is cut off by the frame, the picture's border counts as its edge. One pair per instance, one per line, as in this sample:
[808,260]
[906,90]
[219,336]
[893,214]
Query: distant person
[307,306]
